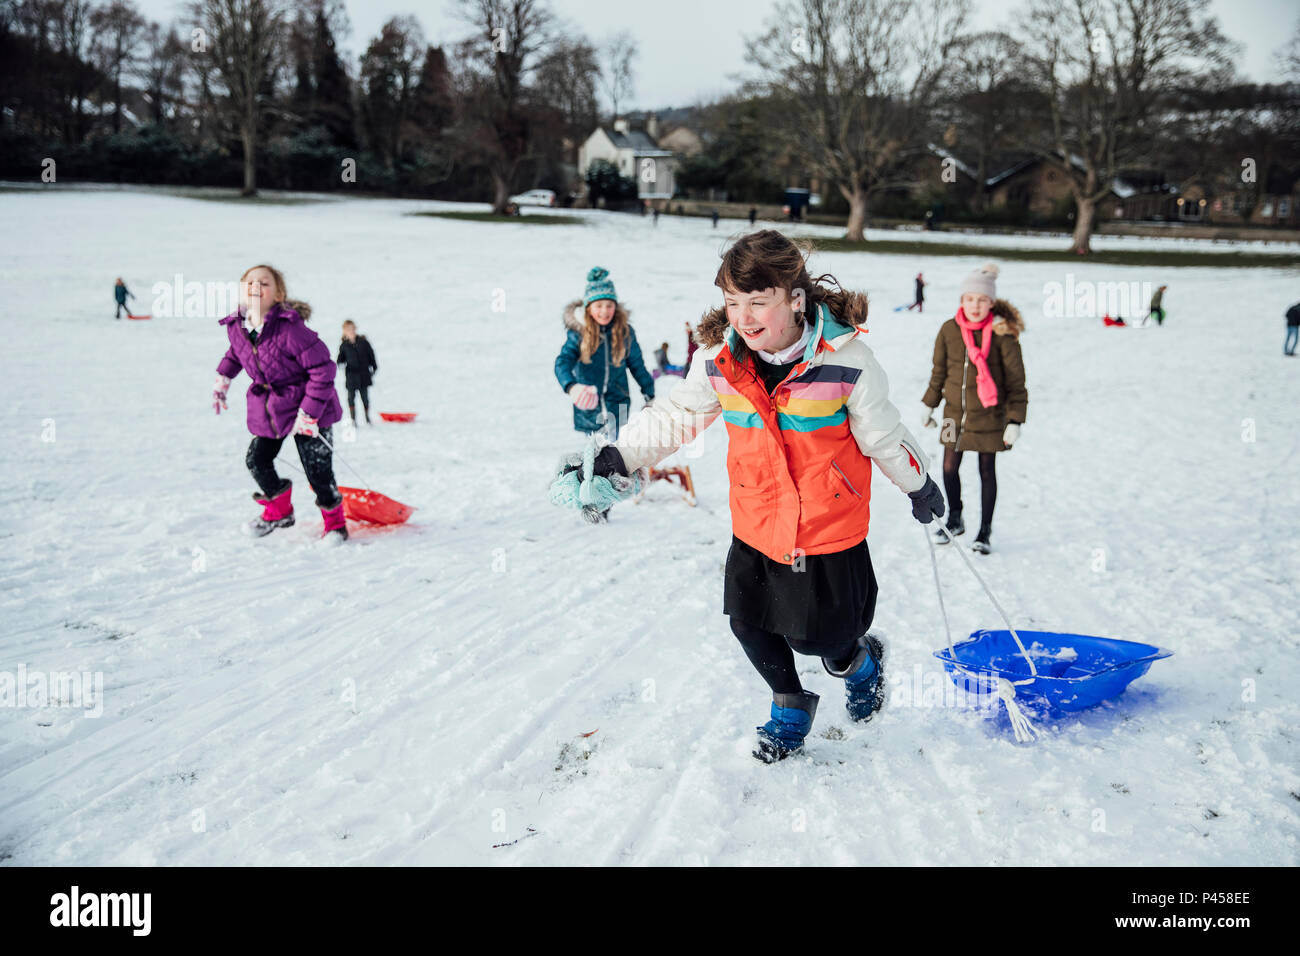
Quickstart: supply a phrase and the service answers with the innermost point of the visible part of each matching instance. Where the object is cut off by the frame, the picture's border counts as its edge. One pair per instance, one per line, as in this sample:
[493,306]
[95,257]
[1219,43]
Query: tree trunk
[979,201]
[117,100]
[857,215]
[500,193]
[249,136]
[1085,211]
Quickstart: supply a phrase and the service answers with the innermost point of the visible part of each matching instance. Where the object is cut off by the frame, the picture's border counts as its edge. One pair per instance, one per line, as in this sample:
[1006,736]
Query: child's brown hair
[302,308]
[767,259]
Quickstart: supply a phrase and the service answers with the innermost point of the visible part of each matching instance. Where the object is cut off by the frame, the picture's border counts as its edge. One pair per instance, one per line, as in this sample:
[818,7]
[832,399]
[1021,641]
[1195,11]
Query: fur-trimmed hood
[712,328]
[1006,319]
[572,316]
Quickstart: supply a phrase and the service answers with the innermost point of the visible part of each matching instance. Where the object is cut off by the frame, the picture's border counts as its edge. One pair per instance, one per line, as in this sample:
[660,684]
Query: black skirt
[820,610]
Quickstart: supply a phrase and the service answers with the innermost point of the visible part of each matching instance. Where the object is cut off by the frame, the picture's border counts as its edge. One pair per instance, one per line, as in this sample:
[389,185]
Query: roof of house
[634,139]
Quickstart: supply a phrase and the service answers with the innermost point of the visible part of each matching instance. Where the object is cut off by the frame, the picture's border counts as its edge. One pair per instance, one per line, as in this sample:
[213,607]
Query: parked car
[535,197]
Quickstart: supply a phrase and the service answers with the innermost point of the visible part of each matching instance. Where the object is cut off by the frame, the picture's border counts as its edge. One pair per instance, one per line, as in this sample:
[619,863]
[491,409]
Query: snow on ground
[418,695]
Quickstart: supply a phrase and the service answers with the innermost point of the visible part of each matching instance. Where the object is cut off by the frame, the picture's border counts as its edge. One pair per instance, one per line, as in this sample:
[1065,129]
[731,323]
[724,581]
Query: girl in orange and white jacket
[807,412]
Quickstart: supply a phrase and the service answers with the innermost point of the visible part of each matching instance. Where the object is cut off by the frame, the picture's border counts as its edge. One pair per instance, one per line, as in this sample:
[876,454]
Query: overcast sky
[690,49]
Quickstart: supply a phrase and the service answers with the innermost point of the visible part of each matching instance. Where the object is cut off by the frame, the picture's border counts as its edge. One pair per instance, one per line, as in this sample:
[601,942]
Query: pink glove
[585,397]
[305,425]
[219,389]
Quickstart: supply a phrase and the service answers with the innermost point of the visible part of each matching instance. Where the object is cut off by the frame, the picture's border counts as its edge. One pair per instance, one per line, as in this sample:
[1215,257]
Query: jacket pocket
[845,479]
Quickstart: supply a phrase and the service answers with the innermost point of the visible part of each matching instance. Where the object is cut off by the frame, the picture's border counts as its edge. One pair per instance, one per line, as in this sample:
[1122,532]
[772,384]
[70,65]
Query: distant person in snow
[664,367]
[1292,329]
[980,373]
[753,215]
[807,414]
[919,295]
[359,367]
[714,217]
[292,393]
[600,350]
[1157,306]
[120,294]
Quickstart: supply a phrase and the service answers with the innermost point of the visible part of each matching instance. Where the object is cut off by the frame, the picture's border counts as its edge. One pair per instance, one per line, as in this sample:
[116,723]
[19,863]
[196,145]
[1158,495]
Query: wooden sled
[682,476]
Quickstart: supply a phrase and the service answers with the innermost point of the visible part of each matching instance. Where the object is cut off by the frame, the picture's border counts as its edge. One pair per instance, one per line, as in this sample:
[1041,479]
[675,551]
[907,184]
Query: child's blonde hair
[302,308]
[618,334]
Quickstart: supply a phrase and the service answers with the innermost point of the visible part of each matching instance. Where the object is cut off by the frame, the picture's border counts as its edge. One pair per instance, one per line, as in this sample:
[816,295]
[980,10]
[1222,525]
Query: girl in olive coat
[980,374]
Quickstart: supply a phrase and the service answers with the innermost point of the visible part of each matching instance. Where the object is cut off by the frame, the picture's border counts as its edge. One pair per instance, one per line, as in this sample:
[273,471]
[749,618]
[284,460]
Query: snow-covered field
[420,695]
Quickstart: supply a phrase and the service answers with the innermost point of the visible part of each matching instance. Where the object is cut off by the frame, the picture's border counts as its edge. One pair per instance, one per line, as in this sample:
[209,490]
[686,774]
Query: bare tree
[389,72]
[856,81]
[163,70]
[1108,68]
[1287,58]
[509,33]
[984,96]
[119,29]
[243,39]
[72,42]
[616,77]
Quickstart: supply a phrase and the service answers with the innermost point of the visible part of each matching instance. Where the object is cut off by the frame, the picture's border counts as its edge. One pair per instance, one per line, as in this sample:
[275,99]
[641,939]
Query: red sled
[372,507]
[138,317]
[398,416]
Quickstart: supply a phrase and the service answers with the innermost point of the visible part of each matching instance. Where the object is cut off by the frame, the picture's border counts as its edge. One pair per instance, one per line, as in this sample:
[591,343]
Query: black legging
[352,400]
[988,484]
[773,656]
[316,462]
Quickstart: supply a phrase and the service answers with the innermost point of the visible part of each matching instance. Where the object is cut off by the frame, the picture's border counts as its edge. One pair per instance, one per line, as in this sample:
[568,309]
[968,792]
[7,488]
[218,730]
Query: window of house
[1283,207]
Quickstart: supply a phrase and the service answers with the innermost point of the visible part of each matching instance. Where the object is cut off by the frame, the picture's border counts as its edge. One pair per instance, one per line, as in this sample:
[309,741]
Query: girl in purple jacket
[292,393]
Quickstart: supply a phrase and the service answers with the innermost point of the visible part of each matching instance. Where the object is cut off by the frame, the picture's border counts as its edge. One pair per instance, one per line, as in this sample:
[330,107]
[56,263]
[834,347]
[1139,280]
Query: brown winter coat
[967,425]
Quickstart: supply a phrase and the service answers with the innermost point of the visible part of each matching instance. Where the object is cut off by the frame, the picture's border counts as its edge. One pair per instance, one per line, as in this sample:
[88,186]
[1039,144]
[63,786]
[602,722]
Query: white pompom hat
[983,281]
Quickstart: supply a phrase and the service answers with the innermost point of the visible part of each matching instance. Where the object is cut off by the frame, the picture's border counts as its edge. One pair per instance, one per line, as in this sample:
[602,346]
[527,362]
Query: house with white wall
[635,154]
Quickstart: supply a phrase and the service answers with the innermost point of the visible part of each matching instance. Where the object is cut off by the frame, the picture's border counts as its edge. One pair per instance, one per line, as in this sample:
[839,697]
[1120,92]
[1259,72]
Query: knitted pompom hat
[599,286]
[983,281]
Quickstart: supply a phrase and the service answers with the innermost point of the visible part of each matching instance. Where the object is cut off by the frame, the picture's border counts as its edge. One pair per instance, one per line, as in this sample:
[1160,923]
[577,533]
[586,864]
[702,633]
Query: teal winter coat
[610,378]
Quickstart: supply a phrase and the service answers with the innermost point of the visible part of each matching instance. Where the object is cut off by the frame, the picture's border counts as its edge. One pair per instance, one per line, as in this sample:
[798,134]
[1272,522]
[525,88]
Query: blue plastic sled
[1075,671]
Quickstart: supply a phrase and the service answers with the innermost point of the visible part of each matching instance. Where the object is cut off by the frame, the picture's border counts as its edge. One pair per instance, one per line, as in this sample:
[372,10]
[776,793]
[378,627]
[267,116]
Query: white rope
[365,484]
[286,461]
[1020,725]
[1006,689]
[1006,620]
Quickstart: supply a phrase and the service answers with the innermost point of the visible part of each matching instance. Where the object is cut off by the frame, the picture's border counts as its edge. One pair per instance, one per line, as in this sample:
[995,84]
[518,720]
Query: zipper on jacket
[604,390]
[266,405]
[836,466]
[961,428]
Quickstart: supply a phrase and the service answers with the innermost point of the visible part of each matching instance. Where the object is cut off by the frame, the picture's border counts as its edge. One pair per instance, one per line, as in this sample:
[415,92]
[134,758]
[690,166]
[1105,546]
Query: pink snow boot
[336,525]
[277,511]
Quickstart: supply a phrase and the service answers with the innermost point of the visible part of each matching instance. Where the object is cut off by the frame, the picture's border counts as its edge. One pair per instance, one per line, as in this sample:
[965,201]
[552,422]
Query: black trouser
[316,461]
[120,307]
[352,400]
[773,656]
[988,485]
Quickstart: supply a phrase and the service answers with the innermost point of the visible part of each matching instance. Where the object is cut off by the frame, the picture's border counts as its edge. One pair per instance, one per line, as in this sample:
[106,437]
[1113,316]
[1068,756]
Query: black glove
[927,502]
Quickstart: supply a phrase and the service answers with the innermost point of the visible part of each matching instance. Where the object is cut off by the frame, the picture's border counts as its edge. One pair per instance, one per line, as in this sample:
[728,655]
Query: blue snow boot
[792,718]
[864,678]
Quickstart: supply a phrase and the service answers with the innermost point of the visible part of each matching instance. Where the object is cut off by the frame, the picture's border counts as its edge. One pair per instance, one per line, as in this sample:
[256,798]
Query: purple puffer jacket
[291,368]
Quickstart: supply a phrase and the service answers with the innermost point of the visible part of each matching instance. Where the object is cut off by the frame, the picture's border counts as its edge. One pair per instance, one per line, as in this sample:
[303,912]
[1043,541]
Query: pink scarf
[985,387]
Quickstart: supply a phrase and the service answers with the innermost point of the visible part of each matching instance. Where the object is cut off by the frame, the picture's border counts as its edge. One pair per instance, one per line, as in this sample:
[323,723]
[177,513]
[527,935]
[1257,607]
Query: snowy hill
[420,694]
